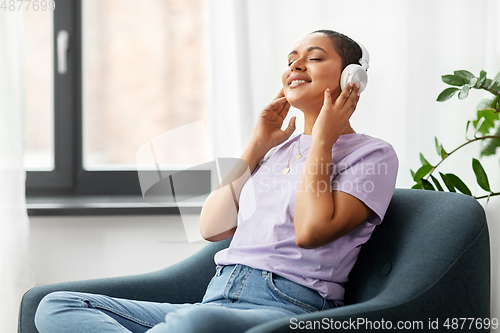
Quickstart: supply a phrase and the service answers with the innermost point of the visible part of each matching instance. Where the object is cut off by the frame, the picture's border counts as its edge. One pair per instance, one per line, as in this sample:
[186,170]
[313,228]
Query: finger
[280,94]
[291,127]
[328,97]
[277,106]
[355,89]
[277,102]
[344,95]
[284,111]
[281,108]
[353,96]
[352,101]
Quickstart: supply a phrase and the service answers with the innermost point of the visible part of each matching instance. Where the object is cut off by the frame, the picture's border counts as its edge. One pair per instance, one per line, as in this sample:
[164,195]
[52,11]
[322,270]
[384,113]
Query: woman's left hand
[334,116]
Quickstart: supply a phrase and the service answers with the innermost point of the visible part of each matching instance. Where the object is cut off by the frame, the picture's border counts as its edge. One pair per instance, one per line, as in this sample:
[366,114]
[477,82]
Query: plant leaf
[440,149]
[462,94]
[458,183]
[497,77]
[489,121]
[423,160]
[467,129]
[485,103]
[418,186]
[465,74]
[492,145]
[492,84]
[443,152]
[424,170]
[495,86]
[447,182]
[412,173]
[446,94]
[454,80]
[436,182]
[481,81]
[438,146]
[477,124]
[481,177]
[494,102]
[427,185]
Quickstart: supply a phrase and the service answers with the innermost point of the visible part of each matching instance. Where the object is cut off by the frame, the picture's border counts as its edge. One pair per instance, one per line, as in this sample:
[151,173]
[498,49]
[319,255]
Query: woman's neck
[309,121]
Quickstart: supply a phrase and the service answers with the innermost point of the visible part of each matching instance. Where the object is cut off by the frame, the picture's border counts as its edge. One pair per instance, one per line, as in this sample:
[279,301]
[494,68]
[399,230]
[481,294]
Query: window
[40,89]
[143,72]
[134,71]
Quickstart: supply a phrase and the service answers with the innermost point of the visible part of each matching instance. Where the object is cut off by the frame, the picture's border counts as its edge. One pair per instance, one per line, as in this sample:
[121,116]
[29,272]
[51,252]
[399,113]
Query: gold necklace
[288,165]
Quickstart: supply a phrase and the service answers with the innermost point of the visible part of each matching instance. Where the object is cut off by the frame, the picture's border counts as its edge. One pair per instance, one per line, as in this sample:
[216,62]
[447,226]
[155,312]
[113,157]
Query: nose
[297,65]
[298,68]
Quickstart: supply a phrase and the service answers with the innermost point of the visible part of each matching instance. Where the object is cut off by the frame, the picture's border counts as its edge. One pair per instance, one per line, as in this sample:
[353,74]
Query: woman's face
[313,66]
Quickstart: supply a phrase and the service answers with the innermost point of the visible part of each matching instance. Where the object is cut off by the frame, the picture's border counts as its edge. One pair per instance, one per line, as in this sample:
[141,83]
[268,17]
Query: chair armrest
[184,282]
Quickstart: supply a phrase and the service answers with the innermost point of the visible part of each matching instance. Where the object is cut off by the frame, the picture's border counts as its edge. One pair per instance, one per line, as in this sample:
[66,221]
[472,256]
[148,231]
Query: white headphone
[356,73]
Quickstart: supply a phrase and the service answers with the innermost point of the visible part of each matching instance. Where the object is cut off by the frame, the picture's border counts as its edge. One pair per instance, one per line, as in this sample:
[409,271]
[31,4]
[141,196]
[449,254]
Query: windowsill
[105,205]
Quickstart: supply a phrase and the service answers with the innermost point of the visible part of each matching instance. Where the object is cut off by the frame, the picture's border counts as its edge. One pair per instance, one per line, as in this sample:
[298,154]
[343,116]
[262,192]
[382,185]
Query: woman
[297,224]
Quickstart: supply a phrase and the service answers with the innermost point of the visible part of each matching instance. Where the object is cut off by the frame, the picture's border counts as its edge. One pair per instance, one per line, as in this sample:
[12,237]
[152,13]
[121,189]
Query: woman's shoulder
[361,139]
[360,145]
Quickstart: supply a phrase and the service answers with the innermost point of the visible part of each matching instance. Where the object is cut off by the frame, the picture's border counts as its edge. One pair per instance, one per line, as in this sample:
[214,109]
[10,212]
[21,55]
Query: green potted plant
[485,128]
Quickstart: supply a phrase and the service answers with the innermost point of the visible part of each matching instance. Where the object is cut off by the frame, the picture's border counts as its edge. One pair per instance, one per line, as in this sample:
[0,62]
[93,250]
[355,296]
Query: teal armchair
[428,261]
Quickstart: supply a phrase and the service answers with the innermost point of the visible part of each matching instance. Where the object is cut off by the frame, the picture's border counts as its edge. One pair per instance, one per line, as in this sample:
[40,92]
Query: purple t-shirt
[362,166]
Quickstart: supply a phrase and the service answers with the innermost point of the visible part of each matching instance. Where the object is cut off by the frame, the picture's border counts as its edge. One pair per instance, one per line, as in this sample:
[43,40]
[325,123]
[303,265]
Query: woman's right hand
[220,211]
[268,132]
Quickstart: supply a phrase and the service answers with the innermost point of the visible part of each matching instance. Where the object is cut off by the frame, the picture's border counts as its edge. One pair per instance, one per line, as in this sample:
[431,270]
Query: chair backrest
[422,235]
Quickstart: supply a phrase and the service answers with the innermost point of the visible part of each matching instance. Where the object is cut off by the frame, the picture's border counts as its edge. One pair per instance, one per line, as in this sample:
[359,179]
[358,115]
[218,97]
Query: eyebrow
[311,48]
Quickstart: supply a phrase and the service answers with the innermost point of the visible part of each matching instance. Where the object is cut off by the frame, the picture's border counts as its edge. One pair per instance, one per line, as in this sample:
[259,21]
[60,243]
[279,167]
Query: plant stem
[488,195]
[494,92]
[462,145]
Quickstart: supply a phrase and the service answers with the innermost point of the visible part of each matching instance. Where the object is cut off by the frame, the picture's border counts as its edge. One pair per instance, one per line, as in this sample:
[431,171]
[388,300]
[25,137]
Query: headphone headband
[365,57]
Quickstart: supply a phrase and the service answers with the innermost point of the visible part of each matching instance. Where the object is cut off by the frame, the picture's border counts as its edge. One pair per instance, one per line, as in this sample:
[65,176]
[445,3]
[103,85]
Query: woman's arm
[220,211]
[321,216]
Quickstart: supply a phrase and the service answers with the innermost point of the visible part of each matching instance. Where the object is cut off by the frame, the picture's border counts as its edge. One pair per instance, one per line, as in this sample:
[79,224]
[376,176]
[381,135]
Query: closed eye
[315,59]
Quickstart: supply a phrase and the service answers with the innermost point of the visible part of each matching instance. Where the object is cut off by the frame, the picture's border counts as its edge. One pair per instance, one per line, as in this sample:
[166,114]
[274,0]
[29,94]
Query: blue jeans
[237,298]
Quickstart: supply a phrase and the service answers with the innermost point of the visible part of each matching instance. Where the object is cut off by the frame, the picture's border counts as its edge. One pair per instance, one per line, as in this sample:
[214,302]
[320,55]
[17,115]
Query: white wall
[66,248]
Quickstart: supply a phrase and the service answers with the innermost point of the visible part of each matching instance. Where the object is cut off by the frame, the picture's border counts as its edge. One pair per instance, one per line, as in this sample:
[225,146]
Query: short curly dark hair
[348,50]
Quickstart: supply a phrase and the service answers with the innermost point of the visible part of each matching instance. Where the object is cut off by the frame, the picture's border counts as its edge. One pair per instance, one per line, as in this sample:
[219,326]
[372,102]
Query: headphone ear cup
[346,75]
[355,74]
[360,76]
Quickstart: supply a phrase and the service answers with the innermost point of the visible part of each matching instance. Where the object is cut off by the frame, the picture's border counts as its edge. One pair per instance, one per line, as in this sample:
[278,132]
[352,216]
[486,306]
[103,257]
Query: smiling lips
[294,82]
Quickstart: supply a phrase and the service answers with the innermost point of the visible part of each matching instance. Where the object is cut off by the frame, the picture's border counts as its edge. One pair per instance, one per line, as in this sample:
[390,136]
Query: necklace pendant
[298,156]
[285,170]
